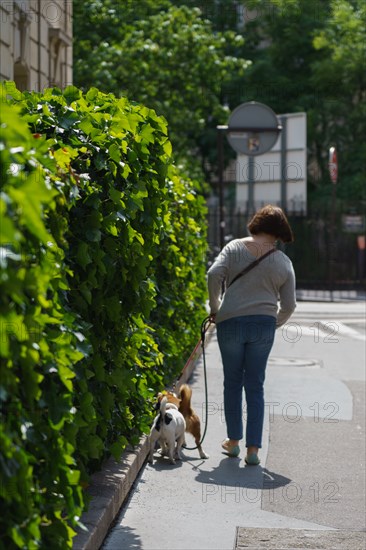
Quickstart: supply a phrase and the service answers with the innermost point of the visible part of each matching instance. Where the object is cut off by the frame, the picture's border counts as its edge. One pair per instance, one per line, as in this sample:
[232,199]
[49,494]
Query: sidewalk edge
[110,486]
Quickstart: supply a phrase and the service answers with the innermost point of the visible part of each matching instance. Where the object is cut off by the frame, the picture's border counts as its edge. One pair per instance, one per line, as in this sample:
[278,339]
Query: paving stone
[289,539]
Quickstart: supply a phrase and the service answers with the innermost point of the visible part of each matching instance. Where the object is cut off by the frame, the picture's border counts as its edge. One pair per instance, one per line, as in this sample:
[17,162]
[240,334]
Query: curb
[109,487]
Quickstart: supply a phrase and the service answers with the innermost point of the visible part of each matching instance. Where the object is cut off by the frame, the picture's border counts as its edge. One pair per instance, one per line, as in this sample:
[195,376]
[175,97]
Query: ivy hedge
[102,291]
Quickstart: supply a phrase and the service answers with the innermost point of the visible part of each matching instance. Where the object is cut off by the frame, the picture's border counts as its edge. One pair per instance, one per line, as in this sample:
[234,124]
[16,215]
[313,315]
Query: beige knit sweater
[255,293]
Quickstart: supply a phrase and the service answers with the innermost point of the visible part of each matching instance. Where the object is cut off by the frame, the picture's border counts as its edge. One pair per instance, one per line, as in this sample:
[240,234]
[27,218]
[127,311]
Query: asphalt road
[312,472]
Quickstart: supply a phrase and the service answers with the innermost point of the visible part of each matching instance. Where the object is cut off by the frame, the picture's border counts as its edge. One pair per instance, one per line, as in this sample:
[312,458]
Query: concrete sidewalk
[110,487]
[308,491]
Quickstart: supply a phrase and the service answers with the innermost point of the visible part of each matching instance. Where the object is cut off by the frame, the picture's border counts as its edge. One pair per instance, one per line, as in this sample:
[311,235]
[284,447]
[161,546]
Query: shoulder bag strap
[251,266]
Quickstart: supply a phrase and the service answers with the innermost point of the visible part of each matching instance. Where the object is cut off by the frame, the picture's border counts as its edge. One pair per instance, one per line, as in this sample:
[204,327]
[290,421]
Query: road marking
[328,331]
[346,330]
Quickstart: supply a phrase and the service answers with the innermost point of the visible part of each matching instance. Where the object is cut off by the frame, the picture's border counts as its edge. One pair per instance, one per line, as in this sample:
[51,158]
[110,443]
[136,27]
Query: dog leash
[204,328]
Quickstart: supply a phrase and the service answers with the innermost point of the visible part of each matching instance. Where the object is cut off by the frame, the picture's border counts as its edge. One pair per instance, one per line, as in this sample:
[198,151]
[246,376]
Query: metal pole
[251,186]
[220,156]
[333,172]
[332,243]
[283,163]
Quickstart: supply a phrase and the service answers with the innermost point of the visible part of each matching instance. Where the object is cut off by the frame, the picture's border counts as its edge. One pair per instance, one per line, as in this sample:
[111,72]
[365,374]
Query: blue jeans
[245,343]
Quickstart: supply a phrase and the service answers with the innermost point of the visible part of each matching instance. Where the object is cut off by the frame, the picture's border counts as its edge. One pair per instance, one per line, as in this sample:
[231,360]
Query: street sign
[333,165]
[253,128]
[353,223]
[280,174]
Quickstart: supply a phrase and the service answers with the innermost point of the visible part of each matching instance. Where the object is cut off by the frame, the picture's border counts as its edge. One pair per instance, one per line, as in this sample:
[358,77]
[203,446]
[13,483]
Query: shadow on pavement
[162,463]
[130,540]
[231,472]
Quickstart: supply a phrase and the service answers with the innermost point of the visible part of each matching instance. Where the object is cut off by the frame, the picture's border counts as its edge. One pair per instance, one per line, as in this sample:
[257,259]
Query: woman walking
[247,318]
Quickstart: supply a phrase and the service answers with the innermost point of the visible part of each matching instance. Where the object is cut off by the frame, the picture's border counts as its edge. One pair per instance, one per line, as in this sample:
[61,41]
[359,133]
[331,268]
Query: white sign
[353,223]
[276,168]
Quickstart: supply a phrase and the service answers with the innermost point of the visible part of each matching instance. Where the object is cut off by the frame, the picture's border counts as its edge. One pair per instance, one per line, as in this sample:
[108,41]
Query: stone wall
[36,43]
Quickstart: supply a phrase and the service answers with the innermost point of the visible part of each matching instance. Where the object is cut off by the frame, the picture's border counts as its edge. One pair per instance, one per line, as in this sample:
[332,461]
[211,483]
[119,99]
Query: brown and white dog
[183,402]
[168,428]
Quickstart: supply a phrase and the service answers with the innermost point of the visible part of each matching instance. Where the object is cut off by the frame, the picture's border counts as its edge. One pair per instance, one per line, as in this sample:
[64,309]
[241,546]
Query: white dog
[168,428]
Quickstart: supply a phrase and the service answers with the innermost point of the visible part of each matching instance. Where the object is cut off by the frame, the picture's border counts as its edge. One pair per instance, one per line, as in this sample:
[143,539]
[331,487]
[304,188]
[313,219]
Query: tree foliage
[171,60]
[306,55]
[340,76]
[310,56]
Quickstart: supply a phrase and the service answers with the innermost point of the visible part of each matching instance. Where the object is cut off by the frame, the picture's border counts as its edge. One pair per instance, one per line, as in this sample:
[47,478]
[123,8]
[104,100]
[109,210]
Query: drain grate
[292,362]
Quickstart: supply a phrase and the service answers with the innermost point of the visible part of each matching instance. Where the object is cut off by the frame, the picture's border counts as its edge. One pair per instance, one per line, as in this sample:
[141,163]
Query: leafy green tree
[307,55]
[223,14]
[340,77]
[310,56]
[170,60]
[98,26]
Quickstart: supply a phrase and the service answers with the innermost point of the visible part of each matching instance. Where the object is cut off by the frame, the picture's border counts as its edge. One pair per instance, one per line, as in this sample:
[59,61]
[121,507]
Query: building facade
[36,43]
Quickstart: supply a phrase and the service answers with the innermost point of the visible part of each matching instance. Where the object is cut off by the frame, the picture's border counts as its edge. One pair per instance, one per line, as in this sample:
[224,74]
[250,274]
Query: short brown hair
[272,220]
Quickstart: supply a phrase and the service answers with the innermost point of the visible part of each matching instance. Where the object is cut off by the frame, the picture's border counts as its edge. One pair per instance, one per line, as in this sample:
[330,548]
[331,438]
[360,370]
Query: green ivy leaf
[114,152]
[118,447]
[82,255]
[71,94]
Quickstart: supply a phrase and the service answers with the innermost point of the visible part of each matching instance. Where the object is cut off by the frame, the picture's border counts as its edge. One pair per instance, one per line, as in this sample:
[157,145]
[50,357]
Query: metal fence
[322,260]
